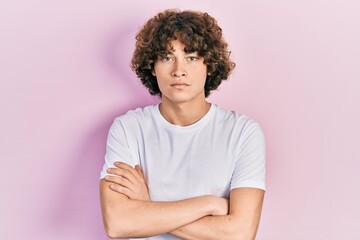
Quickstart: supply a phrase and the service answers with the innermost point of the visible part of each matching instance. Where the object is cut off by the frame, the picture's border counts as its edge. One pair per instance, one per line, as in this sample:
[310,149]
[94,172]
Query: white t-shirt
[222,151]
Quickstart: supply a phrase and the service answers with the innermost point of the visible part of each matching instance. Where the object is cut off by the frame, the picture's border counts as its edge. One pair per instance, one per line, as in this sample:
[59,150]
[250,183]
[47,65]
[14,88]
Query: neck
[183,114]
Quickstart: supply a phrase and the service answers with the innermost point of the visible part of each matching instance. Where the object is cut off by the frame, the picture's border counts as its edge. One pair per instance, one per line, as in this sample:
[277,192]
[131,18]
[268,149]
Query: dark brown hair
[198,31]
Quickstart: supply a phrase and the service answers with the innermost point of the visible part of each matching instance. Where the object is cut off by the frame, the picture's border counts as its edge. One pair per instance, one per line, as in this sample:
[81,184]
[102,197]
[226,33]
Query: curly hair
[198,31]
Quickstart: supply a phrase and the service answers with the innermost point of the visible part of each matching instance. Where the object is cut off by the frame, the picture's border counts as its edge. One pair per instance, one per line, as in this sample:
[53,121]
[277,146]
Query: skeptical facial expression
[180,75]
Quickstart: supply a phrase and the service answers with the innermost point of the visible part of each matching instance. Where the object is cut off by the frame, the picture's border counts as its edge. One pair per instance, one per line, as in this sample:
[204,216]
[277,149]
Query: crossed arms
[128,211]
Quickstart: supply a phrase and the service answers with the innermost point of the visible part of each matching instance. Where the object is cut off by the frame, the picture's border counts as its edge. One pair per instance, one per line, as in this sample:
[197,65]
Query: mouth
[179,85]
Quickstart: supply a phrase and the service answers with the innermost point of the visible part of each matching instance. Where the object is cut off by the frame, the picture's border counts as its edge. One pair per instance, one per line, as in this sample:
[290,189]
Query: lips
[179,84]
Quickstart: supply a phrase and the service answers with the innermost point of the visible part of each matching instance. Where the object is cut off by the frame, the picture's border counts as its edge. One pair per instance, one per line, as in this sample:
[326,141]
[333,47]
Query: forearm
[124,217]
[152,218]
[241,223]
[211,227]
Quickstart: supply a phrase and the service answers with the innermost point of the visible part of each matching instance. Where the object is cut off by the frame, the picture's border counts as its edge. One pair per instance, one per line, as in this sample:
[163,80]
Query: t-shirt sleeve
[250,164]
[117,147]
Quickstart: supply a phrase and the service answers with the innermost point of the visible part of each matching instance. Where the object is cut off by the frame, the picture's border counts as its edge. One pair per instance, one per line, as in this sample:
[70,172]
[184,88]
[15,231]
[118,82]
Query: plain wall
[64,77]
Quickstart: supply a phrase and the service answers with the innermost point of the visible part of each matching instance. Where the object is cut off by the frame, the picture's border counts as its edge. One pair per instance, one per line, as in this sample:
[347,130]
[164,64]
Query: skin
[124,217]
[240,220]
[128,181]
[126,206]
[181,78]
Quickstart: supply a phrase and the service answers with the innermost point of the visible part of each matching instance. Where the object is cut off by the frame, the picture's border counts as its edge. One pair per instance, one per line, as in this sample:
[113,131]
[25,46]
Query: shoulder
[239,129]
[136,115]
[133,120]
[236,120]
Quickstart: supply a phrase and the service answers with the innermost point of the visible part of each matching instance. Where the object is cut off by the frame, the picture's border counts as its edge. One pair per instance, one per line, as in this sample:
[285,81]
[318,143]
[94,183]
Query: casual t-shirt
[222,151]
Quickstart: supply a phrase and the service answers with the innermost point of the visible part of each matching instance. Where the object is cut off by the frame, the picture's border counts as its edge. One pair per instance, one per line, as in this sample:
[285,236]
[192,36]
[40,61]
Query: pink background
[65,76]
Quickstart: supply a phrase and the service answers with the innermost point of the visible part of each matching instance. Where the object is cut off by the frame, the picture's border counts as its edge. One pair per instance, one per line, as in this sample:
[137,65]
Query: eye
[166,59]
[192,58]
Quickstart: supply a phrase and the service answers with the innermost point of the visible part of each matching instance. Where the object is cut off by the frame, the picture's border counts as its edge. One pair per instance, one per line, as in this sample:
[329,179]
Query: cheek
[158,68]
[202,71]
[202,75]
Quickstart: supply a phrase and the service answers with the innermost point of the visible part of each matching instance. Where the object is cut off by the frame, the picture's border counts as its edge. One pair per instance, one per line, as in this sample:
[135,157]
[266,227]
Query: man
[184,168]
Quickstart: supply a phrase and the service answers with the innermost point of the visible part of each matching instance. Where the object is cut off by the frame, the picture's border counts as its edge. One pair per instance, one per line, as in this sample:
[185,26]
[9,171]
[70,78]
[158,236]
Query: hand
[128,181]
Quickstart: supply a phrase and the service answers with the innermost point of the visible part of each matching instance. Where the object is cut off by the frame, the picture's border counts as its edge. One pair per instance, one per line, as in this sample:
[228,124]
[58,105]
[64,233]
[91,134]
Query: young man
[184,168]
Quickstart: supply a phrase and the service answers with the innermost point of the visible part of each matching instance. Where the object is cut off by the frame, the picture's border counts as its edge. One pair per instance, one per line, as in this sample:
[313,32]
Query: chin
[179,99]
[182,97]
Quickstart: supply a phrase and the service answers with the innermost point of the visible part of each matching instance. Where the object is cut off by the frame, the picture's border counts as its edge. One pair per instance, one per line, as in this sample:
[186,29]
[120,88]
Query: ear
[153,73]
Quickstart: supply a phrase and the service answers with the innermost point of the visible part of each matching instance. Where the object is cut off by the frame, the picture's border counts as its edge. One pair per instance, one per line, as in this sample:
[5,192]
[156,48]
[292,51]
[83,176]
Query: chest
[184,166]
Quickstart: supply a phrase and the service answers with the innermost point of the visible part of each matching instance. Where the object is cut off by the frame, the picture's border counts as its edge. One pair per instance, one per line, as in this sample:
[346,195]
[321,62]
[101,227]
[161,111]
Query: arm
[125,217]
[241,223]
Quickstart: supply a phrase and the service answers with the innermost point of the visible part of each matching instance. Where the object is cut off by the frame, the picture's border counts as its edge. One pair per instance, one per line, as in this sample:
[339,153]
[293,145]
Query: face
[181,76]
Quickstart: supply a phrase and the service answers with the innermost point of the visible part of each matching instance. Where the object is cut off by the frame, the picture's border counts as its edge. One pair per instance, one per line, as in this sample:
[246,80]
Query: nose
[179,70]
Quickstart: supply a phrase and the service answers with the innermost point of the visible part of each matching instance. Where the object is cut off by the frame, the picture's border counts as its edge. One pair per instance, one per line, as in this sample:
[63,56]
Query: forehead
[176,46]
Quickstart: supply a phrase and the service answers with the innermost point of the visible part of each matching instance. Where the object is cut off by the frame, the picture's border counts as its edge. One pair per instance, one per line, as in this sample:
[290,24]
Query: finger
[138,169]
[129,168]
[122,173]
[120,181]
[120,189]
